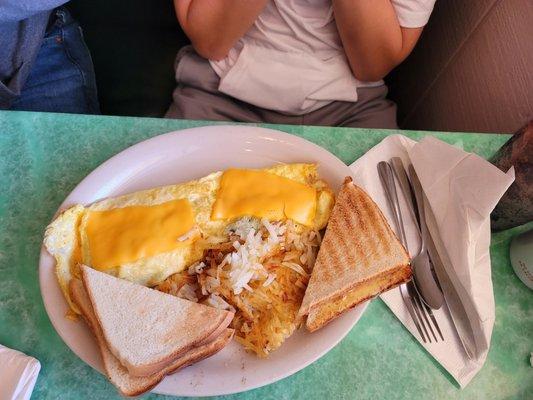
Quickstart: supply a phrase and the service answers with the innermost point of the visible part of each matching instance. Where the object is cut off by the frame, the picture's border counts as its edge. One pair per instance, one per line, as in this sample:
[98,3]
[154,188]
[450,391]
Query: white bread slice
[129,385]
[359,258]
[218,331]
[147,329]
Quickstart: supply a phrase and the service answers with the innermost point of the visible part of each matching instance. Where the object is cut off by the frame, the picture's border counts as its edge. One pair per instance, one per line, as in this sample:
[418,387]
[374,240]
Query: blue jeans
[62,76]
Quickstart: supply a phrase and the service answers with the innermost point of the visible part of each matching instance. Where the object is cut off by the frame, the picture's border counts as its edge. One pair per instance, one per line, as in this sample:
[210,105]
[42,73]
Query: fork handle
[419,196]
[387,180]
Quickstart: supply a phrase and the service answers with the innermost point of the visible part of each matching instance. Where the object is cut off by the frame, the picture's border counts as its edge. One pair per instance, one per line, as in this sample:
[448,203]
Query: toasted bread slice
[127,384]
[359,258]
[146,329]
[325,312]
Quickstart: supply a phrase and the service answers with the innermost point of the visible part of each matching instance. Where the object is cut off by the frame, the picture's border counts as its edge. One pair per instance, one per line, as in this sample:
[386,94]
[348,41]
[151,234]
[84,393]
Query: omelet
[72,240]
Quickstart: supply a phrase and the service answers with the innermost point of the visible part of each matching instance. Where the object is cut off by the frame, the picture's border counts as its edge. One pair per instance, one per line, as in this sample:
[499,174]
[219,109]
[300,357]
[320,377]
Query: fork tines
[422,316]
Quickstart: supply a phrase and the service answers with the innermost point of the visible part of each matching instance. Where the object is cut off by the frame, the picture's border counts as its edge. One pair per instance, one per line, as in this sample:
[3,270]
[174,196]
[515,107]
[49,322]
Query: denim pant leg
[62,76]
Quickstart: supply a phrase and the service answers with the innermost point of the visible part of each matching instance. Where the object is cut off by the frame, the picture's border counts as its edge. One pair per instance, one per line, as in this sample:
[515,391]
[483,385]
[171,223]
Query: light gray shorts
[197,97]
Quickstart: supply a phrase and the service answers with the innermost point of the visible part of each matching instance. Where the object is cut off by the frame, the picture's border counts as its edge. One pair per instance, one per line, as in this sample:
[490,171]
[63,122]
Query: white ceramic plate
[177,157]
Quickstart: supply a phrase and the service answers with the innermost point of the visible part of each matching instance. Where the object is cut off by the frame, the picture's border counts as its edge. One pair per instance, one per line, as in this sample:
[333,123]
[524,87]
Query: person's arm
[213,26]
[373,40]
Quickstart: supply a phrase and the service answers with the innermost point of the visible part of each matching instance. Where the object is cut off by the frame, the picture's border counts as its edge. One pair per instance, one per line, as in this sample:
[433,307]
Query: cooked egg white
[66,238]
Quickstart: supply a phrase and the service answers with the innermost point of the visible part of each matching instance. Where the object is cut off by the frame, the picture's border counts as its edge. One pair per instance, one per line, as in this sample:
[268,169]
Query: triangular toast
[146,329]
[359,258]
[127,384]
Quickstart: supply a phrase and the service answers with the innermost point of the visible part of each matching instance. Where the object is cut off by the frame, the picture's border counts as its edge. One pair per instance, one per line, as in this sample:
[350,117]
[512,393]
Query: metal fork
[420,313]
[424,281]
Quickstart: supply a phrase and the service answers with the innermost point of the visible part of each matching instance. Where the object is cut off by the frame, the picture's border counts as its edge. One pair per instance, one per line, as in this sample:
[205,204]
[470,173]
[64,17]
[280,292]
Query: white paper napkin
[461,190]
[18,374]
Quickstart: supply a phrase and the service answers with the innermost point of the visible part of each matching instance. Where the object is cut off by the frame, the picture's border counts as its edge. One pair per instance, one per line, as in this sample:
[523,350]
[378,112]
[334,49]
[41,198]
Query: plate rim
[245,129]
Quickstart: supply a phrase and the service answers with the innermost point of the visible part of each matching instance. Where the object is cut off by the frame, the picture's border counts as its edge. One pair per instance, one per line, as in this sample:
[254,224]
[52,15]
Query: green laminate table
[42,158]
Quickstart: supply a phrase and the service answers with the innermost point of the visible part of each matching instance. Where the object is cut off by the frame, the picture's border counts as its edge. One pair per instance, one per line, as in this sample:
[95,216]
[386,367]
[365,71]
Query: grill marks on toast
[347,224]
[359,256]
[347,218]
[363,241]
[383,232]
[377,235]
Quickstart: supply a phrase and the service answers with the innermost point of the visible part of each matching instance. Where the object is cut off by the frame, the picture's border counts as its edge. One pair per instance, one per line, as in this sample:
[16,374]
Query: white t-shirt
[291,60]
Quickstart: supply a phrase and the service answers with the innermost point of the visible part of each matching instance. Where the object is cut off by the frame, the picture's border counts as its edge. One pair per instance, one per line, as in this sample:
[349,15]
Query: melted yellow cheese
[263,195]
[122,235]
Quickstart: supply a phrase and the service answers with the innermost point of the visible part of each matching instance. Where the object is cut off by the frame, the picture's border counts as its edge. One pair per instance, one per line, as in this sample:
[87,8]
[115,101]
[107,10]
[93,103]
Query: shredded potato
[261,272]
